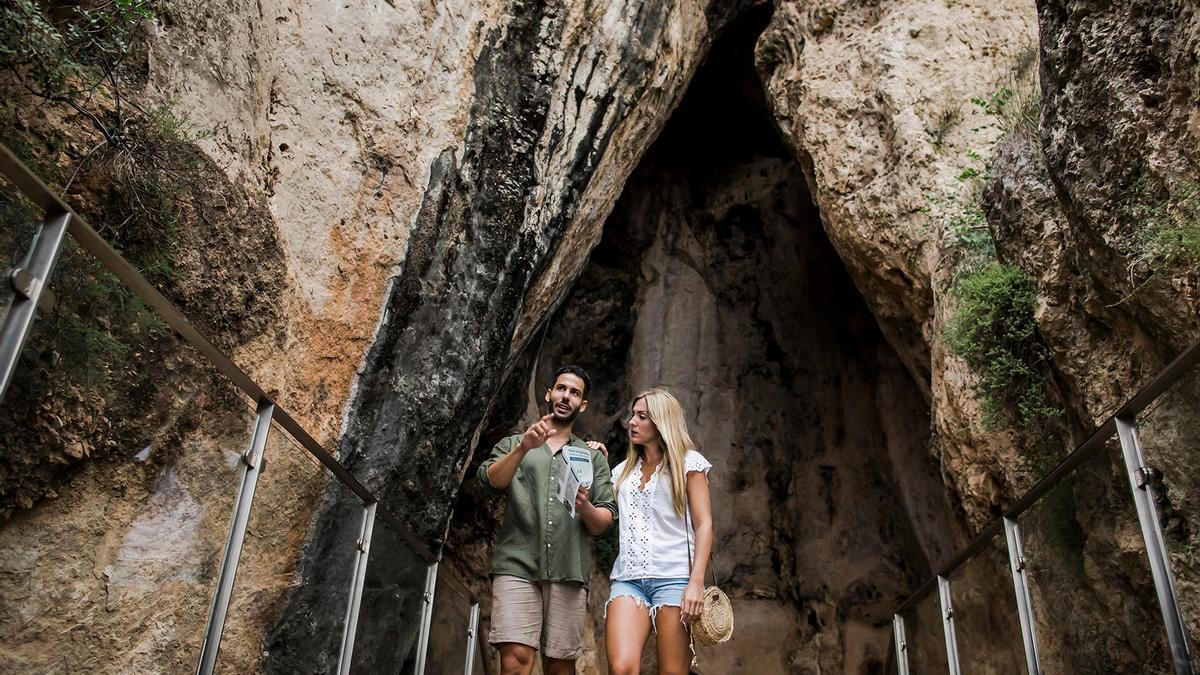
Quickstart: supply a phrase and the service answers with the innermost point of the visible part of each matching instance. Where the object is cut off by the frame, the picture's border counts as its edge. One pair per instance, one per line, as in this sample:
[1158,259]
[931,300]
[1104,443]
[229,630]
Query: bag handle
[687,530]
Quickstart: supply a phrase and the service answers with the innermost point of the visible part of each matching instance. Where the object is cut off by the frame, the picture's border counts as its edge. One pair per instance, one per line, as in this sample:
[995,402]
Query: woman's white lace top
[654,540]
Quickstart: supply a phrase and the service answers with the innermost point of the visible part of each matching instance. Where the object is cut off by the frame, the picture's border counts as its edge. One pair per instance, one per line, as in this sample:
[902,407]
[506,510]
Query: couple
[539,569]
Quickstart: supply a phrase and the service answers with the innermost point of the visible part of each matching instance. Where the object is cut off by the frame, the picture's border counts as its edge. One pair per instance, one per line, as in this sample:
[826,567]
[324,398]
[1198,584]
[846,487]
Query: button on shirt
[654,539]
[539,540]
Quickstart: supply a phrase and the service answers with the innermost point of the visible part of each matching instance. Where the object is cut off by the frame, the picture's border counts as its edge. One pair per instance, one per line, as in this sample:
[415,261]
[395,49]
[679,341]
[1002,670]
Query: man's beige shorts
[541,614]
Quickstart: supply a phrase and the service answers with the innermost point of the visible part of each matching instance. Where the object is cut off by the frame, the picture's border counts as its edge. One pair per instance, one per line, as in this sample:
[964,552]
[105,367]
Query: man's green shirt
[539,540]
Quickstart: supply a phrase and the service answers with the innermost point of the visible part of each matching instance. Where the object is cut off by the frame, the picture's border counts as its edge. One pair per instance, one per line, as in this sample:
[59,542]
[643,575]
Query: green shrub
[1168,229]
[994,332]
[78,54]
[71,49]
[965,236]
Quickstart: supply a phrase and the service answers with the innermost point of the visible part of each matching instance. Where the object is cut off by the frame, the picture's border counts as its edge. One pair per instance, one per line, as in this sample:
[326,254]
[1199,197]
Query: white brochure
[581,462]
[568,484]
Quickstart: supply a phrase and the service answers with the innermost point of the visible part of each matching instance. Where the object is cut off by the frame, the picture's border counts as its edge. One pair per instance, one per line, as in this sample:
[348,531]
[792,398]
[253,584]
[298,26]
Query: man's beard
[559,417]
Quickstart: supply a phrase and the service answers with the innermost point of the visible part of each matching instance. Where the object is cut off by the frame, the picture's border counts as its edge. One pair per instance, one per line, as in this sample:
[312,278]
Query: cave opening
[714,278]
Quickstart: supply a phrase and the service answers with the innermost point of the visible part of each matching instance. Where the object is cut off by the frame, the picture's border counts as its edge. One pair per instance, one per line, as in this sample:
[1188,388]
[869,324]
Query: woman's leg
[674,643]
[625,633]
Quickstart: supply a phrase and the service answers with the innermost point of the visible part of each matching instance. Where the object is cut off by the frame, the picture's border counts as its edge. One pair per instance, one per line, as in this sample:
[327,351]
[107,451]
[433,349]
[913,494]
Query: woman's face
[641,429]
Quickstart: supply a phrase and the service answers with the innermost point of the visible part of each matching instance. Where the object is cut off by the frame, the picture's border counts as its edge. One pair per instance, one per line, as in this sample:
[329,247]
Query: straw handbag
[715,623]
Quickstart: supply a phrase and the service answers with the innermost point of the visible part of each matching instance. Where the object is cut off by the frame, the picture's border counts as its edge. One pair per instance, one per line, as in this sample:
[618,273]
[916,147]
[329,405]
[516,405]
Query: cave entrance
[715,278]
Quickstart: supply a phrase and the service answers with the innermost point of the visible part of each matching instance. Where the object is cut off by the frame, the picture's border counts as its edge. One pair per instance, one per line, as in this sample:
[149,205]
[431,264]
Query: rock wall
[564,96]
[875,100]
[714,278]
[385,175]
[410,191]
[1066,197]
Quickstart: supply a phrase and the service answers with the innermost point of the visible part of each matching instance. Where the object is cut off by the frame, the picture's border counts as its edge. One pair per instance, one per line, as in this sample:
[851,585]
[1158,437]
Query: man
[539,568]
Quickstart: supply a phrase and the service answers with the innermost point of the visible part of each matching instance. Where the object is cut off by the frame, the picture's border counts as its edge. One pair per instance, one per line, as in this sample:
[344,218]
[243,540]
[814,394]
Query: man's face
[566,398]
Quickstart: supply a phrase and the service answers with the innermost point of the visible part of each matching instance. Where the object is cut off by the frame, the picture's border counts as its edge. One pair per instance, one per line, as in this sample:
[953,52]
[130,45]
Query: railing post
[901,644]
[1016,566]
[472,639]
[948,625]
[1156,546]
[426,617]
[362,553]
[28,281]
[252,466]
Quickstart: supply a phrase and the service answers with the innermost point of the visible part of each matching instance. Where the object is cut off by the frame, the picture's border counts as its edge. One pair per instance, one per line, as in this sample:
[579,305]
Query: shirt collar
[571,440]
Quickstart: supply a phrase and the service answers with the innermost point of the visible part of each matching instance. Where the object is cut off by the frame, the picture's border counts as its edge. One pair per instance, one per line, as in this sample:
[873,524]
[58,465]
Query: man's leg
[516,659]
[558,666]
[565,609]
[516,623]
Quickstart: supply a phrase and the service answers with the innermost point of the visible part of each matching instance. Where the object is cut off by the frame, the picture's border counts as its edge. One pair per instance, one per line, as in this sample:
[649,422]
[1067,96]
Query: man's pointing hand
[538,432]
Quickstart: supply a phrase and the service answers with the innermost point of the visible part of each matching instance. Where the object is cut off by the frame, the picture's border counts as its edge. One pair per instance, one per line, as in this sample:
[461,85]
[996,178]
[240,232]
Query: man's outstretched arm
[499,474]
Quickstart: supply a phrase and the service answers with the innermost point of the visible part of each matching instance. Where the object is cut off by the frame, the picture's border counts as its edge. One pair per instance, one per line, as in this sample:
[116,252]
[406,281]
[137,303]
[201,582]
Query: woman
[661,486]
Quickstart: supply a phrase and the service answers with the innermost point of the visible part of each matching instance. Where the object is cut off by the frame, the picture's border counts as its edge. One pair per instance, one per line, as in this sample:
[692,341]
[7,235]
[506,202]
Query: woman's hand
[597,445]
[692,603]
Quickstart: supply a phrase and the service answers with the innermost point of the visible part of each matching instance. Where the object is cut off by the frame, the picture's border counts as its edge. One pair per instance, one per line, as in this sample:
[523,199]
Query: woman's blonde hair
[667,415]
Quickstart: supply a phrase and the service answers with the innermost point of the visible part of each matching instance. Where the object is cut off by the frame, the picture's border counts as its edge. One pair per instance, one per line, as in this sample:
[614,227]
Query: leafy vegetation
[1167,229]
[81,57]
[993,328]
[71,53]
[1016,105]
[994,332]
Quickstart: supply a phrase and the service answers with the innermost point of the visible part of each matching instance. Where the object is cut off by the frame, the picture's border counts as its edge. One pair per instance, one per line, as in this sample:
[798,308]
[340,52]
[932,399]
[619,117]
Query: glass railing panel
[448,637]
[925,637]
[19,223]
[119,451]
[390,614]
[986,624]
[1169,431]
[892,667]
[480,651]
[291,488]
[1093,597]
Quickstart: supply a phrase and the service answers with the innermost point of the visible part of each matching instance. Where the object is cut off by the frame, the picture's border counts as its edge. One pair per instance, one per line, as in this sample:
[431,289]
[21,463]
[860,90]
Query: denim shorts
[649,593]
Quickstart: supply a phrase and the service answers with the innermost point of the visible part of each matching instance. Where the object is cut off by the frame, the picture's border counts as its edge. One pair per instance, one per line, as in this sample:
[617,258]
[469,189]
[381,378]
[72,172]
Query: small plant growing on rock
[1168,229]
[71,51]
[994,332]
[993,328]
[1016,104]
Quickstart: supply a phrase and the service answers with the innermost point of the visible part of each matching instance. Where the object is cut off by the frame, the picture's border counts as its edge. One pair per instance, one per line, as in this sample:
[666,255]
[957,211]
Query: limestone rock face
[875,100]
[1066,201]
[337,115]
[437,162]
[423,204]
[714,278]
[1116,78]
[555,125]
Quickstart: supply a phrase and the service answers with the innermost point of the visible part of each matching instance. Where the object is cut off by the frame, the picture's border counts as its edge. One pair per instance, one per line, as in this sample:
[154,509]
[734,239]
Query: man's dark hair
[577,372]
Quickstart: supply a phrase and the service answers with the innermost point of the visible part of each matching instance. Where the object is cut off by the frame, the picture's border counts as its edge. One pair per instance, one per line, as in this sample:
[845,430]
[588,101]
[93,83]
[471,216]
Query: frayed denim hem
[642,603]
[637,600]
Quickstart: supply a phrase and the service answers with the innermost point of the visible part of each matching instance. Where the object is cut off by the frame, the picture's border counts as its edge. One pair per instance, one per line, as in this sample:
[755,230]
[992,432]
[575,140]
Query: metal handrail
[1180,366]
[44,197]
